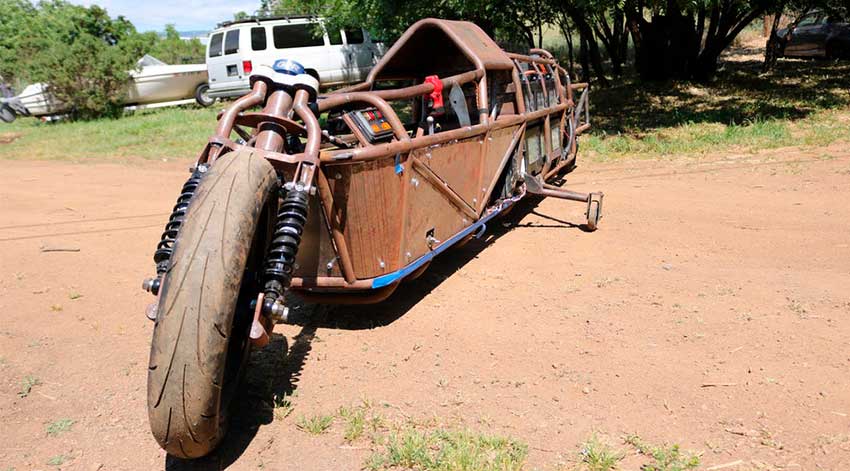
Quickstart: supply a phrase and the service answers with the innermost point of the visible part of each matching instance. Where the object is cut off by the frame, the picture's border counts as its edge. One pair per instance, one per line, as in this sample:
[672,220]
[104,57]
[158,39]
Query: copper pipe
[338,237]
[314,131]
[270,136]
[369,297]
[391,148]
[329,282]
[228,118]
[339,97]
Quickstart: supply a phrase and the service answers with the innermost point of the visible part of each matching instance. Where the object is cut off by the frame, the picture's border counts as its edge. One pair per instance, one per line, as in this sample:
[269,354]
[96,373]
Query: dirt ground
[711,309]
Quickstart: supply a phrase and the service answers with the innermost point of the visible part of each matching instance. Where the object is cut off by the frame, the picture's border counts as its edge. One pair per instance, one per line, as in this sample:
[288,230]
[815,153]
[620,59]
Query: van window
[215,45]
[335,36]
[258,39]
[304,35]
[354,36]
[231,42]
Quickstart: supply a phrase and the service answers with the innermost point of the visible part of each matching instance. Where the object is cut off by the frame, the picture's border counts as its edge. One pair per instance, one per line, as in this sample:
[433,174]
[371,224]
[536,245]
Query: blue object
[399,169]
[287,66]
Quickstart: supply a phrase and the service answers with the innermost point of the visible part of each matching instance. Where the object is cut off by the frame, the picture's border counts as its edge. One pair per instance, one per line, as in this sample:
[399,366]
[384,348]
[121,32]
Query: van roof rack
[259,19]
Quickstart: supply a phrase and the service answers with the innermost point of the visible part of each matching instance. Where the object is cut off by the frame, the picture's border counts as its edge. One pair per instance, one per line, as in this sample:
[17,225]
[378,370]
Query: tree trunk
[774,45]
[586,33]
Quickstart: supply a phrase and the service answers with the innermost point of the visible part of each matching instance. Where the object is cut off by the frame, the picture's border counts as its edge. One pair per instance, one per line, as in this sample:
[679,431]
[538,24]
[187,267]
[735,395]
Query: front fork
[269,136]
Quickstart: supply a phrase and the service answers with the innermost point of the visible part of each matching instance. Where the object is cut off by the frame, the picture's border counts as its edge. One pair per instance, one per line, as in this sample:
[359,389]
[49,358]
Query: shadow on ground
[794,89]
[274,376]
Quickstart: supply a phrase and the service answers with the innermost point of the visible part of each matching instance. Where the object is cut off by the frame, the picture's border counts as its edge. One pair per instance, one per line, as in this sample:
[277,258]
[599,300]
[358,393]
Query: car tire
[7,115]
[202,95]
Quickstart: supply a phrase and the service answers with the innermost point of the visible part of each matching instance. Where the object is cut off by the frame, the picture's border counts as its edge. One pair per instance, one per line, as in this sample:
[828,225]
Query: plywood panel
[457,164]
[367,199]
[498,143]
[427,209]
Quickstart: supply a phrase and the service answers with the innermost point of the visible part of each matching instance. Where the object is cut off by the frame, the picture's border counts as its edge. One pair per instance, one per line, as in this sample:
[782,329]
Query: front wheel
[200,339]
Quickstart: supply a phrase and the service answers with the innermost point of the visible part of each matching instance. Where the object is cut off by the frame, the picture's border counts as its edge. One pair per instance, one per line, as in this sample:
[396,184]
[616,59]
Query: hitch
[536,186]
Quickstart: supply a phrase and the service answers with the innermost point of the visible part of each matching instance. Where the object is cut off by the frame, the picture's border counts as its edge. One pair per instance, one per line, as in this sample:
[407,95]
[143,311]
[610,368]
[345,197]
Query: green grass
[175,133]
[360,419]
[665,457]
[448,450]
[27,384]
[57,460]
[55,429]
[315,425]
[599,456]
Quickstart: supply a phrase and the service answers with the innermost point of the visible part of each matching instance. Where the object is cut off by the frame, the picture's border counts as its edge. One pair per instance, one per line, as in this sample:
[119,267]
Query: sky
[191,15]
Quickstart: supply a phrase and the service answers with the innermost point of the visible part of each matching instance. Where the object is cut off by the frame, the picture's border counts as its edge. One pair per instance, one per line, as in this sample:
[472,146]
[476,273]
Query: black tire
[200,338]
[202,95]
[7,115]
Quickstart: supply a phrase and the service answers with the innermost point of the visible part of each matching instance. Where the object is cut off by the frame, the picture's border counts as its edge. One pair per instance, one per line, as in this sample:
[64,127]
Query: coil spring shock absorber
[165,247]
[280,261]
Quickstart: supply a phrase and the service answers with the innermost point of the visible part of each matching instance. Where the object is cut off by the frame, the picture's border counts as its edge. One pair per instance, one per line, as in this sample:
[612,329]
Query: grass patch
[315,425]
[27,384]
[174,133]
[665,457]
[55,429]
[599,456]
[57,460]
[445,450]
[359,420]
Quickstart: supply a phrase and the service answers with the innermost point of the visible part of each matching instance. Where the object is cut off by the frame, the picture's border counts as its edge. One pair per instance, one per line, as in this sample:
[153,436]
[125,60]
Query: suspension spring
[165,247]
[280,261]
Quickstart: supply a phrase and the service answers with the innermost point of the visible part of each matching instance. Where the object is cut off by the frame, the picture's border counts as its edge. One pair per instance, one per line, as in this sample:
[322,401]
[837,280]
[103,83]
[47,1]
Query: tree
[82,54]
[172,49]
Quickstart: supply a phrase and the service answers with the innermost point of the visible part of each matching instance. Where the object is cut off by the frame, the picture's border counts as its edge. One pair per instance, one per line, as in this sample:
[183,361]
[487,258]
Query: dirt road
[711,309]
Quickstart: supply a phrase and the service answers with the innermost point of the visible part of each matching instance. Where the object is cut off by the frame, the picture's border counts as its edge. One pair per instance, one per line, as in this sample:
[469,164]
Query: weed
[283,406]
[599,456]
[448,450]
[74,295]
[355,422]
[57,460]
[62,425]
[665,457]
[315,425]
[56,307]
[27,384]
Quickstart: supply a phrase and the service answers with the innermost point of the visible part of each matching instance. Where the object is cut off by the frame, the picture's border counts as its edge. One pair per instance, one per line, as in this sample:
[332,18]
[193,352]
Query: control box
[372,124]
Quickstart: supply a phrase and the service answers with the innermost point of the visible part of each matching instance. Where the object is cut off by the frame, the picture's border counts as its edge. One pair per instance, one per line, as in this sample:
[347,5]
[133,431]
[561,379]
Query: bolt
[381,263]
[414,181]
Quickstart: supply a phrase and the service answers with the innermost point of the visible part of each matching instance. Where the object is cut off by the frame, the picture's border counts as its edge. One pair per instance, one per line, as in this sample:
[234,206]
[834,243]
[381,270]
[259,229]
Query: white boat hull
[152,84]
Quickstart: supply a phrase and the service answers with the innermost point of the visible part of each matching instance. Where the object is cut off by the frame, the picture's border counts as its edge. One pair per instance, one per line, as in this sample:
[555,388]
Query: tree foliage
[671,39]
[81,53]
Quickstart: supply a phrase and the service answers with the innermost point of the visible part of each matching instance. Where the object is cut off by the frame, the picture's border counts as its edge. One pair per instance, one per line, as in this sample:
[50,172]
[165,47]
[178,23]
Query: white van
[236,47]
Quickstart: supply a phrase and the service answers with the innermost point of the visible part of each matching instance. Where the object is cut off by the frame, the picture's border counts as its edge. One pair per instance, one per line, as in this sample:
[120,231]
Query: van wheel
[202,95]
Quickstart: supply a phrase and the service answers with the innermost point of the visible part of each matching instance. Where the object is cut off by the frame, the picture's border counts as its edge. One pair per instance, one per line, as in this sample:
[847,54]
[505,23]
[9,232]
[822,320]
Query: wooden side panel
[427,209]
[367,198]
[497,146]
[316,248]
[457,164]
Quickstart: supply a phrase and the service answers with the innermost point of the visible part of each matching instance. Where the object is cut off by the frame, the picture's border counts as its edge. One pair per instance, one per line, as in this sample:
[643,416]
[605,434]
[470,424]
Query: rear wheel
[200,339]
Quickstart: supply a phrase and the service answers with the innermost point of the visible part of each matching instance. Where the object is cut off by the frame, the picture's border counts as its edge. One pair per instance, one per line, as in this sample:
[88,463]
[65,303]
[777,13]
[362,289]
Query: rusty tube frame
[269,140]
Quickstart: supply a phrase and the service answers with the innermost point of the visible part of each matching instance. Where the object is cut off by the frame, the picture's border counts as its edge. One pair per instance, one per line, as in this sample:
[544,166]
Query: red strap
[437,95]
